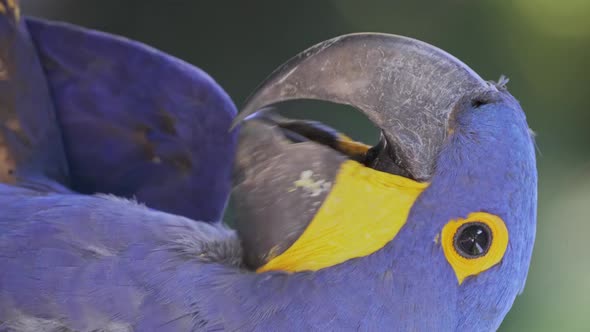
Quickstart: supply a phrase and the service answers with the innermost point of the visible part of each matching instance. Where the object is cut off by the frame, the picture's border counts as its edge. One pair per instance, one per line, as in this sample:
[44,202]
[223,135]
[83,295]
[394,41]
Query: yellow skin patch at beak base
[363,212]
[465,267]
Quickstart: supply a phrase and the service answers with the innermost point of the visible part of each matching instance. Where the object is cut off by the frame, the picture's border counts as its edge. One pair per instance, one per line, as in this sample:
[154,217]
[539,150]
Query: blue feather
[137,122]
[31,147]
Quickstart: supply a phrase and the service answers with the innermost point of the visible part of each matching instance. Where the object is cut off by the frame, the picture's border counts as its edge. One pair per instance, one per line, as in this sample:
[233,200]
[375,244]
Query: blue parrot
[116,162]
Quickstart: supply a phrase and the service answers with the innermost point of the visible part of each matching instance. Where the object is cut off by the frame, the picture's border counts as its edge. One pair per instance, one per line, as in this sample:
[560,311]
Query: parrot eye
[473,240]
[474,244]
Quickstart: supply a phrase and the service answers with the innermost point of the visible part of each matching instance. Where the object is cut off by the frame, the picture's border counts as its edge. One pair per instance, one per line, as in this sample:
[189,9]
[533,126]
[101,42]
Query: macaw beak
[405,87]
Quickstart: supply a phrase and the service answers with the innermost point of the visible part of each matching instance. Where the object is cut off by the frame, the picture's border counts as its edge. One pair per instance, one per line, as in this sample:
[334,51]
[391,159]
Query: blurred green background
[542,45]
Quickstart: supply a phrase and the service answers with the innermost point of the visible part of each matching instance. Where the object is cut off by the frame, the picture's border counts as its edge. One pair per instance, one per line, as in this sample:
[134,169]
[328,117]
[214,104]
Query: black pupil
[473,240]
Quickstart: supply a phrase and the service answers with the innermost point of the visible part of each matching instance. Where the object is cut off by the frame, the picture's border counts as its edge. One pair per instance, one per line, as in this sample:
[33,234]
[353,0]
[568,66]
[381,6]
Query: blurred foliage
[542,45]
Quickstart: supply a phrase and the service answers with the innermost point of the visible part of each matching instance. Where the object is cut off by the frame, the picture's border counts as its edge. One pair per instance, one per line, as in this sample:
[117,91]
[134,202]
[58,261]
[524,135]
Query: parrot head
[435,222]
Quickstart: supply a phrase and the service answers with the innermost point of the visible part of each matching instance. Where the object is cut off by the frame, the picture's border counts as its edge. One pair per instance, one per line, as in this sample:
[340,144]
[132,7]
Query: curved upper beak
[407,88]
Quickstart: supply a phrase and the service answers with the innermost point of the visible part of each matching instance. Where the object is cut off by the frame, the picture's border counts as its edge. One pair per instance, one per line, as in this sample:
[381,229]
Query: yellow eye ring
[474,244]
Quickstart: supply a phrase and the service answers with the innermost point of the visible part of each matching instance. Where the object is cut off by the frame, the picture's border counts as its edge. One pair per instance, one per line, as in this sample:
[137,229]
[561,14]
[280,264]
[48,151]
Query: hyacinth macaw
[116,164]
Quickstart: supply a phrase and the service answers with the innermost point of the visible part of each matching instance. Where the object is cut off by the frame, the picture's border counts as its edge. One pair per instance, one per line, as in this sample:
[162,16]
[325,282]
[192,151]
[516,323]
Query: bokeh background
[543,46]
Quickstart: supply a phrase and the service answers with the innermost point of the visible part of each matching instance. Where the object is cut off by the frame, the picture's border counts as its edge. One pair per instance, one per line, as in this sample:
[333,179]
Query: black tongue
[299,130]
[382,157]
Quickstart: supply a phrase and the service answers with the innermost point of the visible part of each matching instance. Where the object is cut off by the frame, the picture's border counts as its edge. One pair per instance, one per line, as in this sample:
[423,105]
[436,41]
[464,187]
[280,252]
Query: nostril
[483,98]
[478,102]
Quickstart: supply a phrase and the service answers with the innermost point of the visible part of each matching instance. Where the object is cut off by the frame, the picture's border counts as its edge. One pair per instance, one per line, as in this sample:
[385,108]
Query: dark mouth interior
[299,130]
[329,124]
[378,157]
[381,156]
[305,130]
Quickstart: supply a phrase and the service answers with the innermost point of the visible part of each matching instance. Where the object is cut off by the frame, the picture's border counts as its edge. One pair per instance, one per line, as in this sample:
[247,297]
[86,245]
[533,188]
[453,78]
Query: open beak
[405,87]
